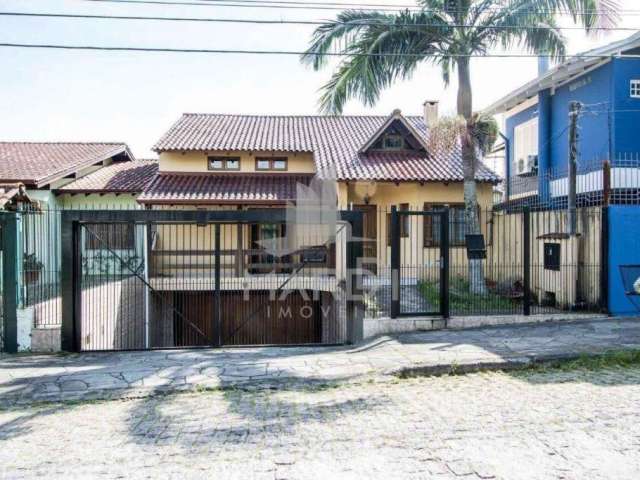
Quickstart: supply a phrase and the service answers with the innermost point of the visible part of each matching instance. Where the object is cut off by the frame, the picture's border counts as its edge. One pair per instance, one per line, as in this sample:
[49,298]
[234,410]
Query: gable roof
[11,193]
[335,141]
[38,163]
[395,117]
[119,177]
[572,68]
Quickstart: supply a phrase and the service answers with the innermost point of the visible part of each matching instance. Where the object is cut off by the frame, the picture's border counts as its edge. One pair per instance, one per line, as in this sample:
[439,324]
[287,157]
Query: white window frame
[525,141]
[634,88]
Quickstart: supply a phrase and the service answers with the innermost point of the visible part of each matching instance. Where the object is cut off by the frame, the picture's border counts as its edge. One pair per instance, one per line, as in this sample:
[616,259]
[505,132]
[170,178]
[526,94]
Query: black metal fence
[166,278]
[520,261]
[528,264]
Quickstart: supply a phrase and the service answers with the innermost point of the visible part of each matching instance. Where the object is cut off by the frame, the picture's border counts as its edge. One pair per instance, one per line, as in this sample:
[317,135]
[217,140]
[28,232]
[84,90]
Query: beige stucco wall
[417,261]
[94,201]
[197,161]
[386,194]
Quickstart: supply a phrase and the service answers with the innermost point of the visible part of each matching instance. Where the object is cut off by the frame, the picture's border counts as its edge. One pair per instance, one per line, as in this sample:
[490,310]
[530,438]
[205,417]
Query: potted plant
[31,267]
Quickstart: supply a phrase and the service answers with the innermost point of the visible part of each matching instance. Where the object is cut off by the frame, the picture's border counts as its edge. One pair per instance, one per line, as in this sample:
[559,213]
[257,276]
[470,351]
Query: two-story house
[606,84]
[217,161]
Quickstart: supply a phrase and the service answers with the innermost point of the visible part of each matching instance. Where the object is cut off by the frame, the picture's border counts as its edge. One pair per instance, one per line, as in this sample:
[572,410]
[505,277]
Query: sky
[48,95]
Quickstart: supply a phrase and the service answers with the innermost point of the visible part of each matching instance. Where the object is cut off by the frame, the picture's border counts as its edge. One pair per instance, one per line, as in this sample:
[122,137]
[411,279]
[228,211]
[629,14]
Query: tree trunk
[469,159]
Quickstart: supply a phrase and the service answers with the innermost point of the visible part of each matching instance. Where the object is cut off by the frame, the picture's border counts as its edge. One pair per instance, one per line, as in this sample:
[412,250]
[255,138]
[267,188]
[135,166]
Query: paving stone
[122,374]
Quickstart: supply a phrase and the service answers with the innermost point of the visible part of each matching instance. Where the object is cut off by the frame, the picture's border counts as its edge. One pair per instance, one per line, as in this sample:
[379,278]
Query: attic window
[635,88]
[271,163]
[392,141]
[224,163]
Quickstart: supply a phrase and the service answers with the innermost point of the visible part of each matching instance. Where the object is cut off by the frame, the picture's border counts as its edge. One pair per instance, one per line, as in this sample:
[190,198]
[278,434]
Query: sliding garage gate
[174,279]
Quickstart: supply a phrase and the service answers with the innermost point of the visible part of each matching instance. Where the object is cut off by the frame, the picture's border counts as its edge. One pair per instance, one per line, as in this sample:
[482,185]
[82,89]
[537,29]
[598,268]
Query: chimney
[430,112]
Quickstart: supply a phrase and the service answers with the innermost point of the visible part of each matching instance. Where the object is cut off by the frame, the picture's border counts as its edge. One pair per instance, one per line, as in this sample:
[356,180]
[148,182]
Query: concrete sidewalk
[26,379]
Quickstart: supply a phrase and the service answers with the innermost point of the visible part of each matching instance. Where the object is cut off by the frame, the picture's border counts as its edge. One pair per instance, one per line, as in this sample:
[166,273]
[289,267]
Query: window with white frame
[525,146]
[635,88]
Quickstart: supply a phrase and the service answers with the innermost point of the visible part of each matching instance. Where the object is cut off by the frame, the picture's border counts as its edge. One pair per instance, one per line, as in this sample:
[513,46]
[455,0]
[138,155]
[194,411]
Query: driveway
[25,379]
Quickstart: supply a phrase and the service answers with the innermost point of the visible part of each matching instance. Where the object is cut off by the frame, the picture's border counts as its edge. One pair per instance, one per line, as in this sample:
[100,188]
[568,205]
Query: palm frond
[378,53]
[340,32]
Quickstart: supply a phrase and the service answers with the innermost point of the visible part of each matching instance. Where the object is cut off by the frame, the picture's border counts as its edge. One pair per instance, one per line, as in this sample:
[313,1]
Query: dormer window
[393,141]
[271,163]
[224,163]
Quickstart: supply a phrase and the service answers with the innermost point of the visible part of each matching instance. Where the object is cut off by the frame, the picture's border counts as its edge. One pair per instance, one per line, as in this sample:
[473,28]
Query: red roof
[264,188]
[335,142]
[39,163]
[121,177]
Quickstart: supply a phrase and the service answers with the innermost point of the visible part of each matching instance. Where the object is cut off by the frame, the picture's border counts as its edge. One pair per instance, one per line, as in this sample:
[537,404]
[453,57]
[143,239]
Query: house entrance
[419,262]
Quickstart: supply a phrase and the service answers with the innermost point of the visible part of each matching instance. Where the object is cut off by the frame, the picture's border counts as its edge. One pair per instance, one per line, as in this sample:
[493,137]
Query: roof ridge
[257,115]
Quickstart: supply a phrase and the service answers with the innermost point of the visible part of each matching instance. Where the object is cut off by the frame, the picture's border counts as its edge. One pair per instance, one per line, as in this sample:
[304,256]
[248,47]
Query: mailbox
[552,256]
[476,249]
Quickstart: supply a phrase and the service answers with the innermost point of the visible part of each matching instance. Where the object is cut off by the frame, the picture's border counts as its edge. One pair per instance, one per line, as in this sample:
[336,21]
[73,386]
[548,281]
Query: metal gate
[196,282]
[419,263]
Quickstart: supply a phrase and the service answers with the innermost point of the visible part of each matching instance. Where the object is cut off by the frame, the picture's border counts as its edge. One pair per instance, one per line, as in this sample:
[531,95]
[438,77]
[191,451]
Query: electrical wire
[287,52]
[318,5]
[82,16]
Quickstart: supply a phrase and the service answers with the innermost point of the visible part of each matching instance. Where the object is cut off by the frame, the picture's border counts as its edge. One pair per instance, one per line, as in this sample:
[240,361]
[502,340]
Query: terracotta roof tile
[223,188]
[334,141]
[118,177]
[38,163]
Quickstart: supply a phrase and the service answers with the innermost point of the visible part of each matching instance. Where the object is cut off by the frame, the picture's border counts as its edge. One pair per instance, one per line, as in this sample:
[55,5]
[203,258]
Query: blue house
[606,83]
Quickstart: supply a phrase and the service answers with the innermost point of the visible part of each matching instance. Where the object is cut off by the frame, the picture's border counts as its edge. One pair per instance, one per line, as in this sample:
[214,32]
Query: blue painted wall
[624,249]
[510,124]
[625,122]
[609,125]
[590,89]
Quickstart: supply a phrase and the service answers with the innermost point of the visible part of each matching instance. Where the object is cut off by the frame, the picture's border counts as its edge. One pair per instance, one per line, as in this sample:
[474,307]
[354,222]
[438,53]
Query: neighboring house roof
[572,68]
[335,141]
[38,163]
[13,192]
[174,188]
[119,177]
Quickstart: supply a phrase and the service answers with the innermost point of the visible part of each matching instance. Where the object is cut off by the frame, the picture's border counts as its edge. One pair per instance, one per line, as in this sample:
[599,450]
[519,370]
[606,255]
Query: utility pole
[574,113]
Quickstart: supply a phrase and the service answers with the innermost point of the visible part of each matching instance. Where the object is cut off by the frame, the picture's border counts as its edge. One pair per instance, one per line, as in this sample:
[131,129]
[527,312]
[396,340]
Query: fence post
[217,318]
[355,325]
[9,225]
[604,237]
[69,283]
[444,263]
[604,260]
[526,257]
[395,263]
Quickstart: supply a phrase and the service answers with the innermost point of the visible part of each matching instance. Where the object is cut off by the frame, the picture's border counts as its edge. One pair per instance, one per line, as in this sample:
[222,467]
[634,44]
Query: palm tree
[382,48]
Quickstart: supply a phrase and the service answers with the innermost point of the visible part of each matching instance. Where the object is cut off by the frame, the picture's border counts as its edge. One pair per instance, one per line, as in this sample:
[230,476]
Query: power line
[297,2]
[287,52]
[256,5]
[287,22]
[319,5]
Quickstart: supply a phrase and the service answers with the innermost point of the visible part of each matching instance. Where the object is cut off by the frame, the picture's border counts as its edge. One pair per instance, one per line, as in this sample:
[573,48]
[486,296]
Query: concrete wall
[623,250]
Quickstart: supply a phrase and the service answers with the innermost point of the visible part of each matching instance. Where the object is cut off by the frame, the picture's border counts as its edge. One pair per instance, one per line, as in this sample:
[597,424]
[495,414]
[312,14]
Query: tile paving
[25,379]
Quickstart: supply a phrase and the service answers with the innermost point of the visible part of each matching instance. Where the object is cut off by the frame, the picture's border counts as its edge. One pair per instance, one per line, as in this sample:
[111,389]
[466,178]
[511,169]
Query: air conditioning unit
[527,166]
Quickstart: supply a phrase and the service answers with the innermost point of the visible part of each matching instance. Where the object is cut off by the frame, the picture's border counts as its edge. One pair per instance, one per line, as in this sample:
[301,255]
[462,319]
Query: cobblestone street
[535,425]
